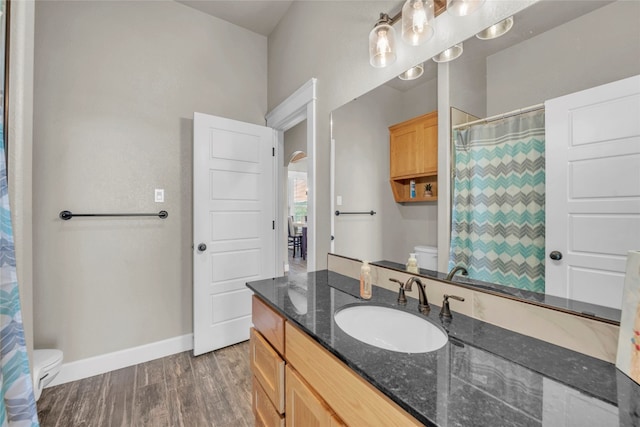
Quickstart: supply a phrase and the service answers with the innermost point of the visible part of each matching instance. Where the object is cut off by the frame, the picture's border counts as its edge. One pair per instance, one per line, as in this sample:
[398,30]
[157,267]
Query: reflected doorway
[297,191]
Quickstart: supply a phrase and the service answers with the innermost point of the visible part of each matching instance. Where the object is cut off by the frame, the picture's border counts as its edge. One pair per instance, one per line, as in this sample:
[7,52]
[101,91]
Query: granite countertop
[484,375]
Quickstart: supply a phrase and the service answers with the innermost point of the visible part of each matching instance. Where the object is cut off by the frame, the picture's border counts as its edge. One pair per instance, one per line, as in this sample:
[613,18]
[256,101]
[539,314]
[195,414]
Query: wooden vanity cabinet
[305,385]
[413,154]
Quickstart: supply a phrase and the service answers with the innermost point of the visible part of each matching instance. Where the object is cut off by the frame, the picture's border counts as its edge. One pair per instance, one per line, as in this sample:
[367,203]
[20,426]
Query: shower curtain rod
[500,116]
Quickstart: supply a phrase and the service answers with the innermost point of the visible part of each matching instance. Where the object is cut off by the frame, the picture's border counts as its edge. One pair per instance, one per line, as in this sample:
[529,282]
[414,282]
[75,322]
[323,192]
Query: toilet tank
[427,257]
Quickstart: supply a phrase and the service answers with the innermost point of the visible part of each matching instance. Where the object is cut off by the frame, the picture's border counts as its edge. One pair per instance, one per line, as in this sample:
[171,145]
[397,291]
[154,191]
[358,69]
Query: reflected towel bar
[67,215]
[338,213]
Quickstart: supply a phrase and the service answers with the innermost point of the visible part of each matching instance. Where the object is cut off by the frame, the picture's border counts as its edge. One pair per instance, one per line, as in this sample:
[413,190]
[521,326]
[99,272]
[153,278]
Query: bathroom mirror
[547,47]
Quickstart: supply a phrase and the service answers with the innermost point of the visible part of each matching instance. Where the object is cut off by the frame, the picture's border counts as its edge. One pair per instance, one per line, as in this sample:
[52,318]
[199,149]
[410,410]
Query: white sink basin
[390,329]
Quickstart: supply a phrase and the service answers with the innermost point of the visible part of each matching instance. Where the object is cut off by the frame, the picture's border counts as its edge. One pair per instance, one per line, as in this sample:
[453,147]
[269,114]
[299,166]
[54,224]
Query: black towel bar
[67,215]
[338,213]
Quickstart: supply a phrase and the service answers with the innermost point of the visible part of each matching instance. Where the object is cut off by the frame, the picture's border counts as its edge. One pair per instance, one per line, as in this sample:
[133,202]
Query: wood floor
[179,390]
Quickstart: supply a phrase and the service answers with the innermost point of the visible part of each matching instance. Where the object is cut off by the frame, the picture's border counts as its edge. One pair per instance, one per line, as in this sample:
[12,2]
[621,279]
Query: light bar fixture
[418,19]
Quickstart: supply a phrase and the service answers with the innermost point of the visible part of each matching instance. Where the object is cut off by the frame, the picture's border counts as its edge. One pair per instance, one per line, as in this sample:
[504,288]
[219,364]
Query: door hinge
[273,151]
[273,225]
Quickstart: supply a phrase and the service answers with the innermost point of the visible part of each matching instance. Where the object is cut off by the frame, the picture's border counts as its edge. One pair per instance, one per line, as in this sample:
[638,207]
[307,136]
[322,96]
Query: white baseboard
[97,365]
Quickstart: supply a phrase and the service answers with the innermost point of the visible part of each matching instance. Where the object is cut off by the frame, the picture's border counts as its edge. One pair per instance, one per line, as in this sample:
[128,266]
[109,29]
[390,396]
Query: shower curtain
[498,217]
[18,405]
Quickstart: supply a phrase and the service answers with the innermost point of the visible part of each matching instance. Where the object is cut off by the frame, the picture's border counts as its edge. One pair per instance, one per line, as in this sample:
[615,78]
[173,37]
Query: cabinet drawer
[266,415]
[269,323]
[268,368]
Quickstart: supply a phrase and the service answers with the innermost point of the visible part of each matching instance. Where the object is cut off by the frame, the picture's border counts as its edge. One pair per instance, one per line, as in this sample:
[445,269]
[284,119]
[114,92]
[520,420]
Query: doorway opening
[298,108]
[297,196]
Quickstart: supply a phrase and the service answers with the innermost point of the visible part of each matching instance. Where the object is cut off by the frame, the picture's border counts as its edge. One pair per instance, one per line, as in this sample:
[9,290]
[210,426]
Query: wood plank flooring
[213,389]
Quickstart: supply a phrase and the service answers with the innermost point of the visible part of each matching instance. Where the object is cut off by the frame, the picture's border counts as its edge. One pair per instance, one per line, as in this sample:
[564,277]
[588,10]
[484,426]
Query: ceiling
[259,16]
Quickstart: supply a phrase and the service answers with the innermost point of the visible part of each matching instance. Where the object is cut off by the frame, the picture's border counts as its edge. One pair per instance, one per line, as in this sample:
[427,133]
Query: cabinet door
[413,147]
[304,407]
[428,151]
[405,142]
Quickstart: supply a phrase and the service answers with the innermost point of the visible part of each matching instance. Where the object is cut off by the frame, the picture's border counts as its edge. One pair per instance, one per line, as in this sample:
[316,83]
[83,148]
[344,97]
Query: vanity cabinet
[413,154]
[306,385]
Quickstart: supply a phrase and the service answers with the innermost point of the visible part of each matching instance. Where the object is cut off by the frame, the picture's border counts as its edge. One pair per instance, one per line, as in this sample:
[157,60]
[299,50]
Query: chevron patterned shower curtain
[498,218]
[18,405]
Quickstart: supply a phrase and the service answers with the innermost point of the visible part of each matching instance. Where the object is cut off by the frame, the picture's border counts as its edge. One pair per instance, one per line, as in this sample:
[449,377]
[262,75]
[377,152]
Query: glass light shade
[382,45]
[496,30]
[412,73]
[417,21]
[450,54]
[463,7]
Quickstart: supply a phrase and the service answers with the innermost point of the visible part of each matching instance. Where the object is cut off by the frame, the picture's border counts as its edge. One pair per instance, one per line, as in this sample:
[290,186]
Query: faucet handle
[402,299]
[399,282]
[445,311]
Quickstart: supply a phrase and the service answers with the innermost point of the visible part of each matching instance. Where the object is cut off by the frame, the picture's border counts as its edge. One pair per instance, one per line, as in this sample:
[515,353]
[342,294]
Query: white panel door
[233,214]
[593,190]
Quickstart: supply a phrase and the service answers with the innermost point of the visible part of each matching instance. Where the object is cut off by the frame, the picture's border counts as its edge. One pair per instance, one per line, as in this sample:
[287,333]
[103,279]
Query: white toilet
[427,257]
[46,365]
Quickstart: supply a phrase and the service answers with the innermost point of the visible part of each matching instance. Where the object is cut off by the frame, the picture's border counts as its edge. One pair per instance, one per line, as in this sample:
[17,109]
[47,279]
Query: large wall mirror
[554,48]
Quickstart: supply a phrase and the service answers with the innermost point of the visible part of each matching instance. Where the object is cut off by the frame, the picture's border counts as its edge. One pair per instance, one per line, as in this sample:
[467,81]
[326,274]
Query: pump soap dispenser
[365,280]
[412,264]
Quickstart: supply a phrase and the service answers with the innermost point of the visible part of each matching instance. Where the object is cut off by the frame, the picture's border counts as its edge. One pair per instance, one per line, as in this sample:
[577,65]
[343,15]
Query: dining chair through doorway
[295,239]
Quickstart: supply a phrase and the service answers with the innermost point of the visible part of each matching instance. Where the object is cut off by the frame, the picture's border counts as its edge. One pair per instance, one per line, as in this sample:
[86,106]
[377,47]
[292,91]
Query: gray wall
[361,131]
[116,85]
[597,48]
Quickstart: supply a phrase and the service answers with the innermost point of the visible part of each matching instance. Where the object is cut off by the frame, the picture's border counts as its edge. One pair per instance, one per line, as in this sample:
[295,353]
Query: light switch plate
[339,200]
[159,195]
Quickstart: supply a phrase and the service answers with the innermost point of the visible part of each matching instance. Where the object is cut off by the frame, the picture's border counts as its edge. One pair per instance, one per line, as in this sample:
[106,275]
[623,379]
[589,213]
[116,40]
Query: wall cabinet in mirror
[413,154]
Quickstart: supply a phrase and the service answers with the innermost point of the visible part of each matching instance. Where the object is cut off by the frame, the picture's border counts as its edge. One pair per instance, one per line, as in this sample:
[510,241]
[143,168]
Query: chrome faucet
[423,302]
[454,270]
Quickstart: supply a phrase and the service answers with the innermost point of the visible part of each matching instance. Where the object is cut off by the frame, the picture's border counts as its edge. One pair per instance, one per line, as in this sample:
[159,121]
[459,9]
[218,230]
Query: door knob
[555,255]
[202,247]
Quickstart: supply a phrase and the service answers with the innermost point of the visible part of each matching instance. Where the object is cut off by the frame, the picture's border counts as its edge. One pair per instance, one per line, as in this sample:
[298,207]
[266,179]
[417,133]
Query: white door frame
[299,106]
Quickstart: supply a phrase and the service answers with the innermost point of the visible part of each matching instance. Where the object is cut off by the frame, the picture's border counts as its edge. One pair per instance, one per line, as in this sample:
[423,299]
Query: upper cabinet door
[414,146]
[429,128]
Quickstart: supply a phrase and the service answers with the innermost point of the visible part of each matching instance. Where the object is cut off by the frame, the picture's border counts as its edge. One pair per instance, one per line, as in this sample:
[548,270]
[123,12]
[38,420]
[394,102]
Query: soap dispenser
[412,264]
[365,280]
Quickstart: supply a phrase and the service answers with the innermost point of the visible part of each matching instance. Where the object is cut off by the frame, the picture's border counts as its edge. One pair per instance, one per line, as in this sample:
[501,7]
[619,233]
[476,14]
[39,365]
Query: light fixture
[412,73]
[417,21]
[382,43]
[463,7]
[418,18]
[496,30]
[450,54]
